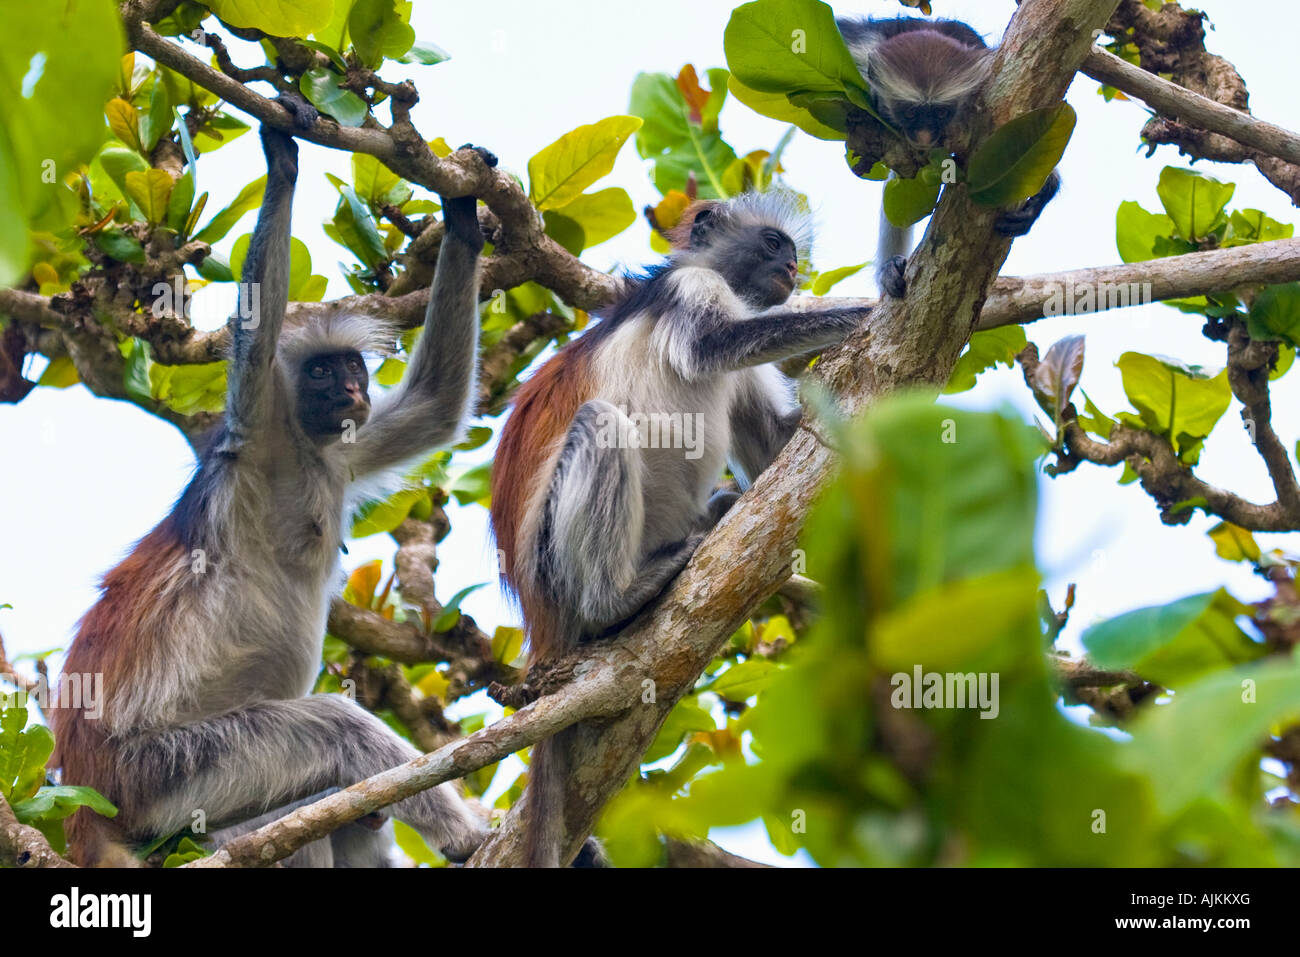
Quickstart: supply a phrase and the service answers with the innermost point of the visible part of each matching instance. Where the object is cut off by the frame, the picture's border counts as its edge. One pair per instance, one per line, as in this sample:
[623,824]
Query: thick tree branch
[1179,103]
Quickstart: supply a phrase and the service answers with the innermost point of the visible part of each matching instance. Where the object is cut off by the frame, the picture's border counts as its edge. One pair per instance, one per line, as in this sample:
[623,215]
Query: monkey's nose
[792,268]
[923,138]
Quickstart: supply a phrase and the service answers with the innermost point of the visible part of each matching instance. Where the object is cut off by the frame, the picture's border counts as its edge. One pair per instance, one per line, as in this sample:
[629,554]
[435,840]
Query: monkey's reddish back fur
[543,408]
[112,639]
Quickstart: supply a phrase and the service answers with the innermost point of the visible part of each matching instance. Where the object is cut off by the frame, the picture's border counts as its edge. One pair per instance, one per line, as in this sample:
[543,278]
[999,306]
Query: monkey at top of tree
[924,76]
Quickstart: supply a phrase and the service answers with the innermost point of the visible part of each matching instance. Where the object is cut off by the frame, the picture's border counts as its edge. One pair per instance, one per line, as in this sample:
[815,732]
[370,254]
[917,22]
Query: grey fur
[223,720]
[619,522]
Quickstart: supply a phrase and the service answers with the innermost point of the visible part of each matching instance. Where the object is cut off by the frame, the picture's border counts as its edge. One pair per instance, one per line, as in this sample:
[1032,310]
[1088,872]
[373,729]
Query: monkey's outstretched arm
[426,410]
[705,342]
[263,294]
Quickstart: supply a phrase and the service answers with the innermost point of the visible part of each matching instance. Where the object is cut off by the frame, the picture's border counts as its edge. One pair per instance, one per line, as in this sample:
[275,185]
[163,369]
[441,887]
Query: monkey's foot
[1016,222]
[486,155]
[889,277]
[304,114]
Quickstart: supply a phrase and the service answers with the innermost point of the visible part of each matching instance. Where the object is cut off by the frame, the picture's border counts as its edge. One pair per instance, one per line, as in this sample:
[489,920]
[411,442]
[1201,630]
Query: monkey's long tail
[547,773]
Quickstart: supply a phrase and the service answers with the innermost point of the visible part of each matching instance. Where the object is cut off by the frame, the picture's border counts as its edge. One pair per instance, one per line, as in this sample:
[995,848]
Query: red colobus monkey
[924,75]
[208,635]
[593,515]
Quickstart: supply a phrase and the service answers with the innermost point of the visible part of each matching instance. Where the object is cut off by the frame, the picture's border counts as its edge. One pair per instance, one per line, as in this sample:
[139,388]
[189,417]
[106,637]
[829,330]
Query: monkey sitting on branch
[209,634]
[593,510]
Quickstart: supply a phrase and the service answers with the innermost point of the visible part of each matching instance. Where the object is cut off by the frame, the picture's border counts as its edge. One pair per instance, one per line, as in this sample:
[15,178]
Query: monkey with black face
[208,635]
[924,76]
[593,514]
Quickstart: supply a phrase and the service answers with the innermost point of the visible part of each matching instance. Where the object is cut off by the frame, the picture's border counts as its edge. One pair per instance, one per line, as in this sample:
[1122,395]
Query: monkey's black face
[923,124]
[763,267]
[333,390]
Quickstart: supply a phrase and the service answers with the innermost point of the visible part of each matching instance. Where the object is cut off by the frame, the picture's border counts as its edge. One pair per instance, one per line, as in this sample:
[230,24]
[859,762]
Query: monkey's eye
[772,240]
[318,371]
[354,365]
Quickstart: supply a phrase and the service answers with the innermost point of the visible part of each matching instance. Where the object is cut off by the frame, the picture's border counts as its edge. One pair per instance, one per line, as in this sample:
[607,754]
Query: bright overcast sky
[86,477]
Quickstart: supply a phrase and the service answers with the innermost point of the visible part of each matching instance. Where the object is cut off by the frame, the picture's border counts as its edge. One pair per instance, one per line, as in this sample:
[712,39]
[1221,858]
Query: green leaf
[956,626]
[743,680]
[150,190]
[23,754]
[1015,161]
[779,107]
[1094,420]
[55,803]
[191,388]
[157,120]
[249,198]
[909,201]
[1175,643]
[335,57]
[384,516]
[985,350]
[1248,226]
[379,29]
[1137,232]
[280,18]
[786,46]
[472,485]
[321,87]
[597,217]
[376,183]
[1194,202]
[59,62]
[1173,399]
[186,851]
[425,52]
[178,205]
[826,280]
[1212,728]
[415,847]
[117,162]
[450,613]
[219,130]
[559,173]
[686,718]
[121,246]
[1275,314]
[135,374]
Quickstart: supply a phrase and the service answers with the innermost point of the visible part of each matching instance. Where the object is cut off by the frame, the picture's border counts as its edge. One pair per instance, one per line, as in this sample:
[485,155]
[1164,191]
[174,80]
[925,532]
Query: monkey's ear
[702,225]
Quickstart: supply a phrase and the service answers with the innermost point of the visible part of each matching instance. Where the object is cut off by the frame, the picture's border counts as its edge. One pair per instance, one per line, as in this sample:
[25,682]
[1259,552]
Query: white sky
[86,477]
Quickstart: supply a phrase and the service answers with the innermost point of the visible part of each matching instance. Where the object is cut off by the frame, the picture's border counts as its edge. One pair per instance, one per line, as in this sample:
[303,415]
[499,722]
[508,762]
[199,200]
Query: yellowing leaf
[150,190]
[559,173]
[123,121]
[507,644]
[1234,543]
[434,685]
[362,583]
[59,374]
